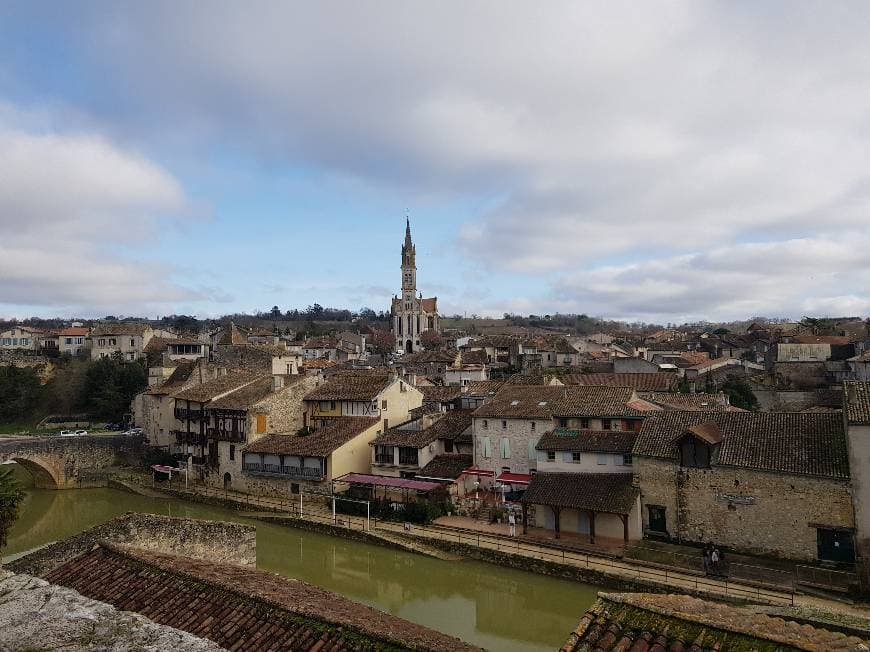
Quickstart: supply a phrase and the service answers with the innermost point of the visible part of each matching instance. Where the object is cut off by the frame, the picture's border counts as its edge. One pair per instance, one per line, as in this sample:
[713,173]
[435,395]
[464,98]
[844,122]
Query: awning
[386,481]
[481,472]
[160,468]
[514,478]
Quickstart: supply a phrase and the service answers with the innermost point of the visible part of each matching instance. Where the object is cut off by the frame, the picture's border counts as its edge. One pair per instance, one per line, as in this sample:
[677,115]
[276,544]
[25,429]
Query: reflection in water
[493,607]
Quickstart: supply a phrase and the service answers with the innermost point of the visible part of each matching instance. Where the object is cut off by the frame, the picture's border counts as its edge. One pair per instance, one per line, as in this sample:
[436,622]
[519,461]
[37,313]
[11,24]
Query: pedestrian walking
[714,560]
[512,523]
[706,560]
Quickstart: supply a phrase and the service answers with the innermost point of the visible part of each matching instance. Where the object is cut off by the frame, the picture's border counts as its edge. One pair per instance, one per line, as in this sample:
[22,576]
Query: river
[483,604]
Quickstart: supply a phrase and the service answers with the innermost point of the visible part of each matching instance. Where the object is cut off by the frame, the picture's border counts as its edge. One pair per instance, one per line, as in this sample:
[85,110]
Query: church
[412,314]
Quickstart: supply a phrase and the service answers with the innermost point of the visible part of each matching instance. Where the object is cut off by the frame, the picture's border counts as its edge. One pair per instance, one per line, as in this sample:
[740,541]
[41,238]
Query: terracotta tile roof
[600,492]
[103,330]
[483,388]
[522,402]
[424,357]
[320,443]
[74,331]
[244,397]
[157,344]
[474,357]
[221,385]
[176,379]
[447,466]
[656,622]
[856,398]
[318,363]
[821,339]
[554,344]
[698,401]
[446,394]
[449,425]
[238,607]
[429,305]
[789,442]
[583,441]
[349,386]
[600,401]
[648,381]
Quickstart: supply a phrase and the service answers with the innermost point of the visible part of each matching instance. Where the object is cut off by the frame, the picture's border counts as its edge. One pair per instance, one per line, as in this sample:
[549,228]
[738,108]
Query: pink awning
[481,472]
[514,478]
[386,481]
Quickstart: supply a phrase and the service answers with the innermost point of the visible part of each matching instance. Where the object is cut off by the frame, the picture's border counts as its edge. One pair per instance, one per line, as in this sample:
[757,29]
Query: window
[563,423]
[113,342]
[407,456]
[448,446]
[606,424]
[232,452]
[694,453]
[101,342]
[504,425]
[551,456]
[67,340]
[575,458]
[384,455]
[533,426]
[505,448]
[485,424]
[384,404]
[131,356]
[487,447]
[601,458]
[584,424]
[626,459]
[132,342]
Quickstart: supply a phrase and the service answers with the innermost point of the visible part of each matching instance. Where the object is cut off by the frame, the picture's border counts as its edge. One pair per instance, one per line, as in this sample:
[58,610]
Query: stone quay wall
[216,541]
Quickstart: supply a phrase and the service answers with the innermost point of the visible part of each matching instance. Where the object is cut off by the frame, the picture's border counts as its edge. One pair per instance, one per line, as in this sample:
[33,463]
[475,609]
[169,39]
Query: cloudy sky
[659,161]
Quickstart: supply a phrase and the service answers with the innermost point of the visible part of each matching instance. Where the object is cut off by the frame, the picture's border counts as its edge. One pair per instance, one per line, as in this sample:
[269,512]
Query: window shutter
[505,448]
[487,447]
[566,456]
[533,454]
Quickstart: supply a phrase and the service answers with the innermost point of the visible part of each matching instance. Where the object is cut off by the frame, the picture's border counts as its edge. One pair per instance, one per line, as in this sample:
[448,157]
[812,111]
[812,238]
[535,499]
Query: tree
[382,341]
[431,339]
[721,331]
[20,390]
[740,394]
[110,385]
[11,495]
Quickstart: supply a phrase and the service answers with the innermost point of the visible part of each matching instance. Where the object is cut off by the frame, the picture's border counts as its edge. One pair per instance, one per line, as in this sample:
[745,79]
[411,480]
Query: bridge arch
[42,474]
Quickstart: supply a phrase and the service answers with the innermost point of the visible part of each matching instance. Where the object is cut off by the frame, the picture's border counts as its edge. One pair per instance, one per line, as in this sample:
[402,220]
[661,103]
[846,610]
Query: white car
[80,433]
[67,433]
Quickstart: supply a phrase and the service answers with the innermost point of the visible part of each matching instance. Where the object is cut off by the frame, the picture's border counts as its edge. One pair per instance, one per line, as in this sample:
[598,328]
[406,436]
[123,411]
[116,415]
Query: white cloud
[672,132]
[67,201]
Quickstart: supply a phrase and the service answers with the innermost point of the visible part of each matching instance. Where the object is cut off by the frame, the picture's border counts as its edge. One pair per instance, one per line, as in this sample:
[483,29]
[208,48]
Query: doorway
[228,480]
[835,545]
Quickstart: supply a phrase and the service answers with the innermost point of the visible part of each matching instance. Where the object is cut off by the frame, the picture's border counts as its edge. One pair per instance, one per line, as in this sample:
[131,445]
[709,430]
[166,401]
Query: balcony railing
[190,438]
[289,472]
[384,459]
[226,435]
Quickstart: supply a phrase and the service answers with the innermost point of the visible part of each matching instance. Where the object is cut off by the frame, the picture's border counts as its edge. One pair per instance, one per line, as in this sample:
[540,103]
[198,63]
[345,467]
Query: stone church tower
[412,314]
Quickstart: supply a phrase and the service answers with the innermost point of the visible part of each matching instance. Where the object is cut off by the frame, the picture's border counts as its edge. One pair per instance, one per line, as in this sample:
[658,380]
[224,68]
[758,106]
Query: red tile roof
[238,607]
[600,492]
[647,381]
[320,443]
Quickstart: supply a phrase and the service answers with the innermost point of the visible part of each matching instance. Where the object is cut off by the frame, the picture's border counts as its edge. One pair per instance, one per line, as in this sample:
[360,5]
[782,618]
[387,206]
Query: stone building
[125,339]
[412,314]
[271,404]
[23,338]
[856,414]
[759,482]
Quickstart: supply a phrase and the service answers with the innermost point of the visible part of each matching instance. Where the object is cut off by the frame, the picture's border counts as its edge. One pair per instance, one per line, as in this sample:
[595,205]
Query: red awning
[386,481]
[514,478]
[481,472]
[164,469]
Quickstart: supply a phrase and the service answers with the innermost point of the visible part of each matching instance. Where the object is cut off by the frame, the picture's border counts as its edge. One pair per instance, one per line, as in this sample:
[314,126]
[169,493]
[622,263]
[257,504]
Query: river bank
[496,608]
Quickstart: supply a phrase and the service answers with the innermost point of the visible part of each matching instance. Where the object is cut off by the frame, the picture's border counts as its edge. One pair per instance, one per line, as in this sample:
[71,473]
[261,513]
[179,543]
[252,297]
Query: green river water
[493,607]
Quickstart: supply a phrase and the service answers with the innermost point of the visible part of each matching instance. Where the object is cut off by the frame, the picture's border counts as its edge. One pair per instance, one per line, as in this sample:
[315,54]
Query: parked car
[114,426]
[80,433]
[67,433]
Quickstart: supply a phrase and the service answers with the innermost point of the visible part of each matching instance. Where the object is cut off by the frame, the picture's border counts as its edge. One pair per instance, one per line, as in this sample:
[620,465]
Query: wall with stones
[752,511]
[522,439]
[215,541]
[802,375]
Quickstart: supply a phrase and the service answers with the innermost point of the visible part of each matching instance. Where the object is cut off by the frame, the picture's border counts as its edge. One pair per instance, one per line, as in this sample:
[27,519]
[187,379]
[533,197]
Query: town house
[407,450]
[760,482]
[124,339]
[361,394]
[73,340]
[22,338]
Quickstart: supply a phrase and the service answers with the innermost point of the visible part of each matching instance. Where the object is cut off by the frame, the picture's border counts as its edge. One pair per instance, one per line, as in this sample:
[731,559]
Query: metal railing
[826,578]
[291,472]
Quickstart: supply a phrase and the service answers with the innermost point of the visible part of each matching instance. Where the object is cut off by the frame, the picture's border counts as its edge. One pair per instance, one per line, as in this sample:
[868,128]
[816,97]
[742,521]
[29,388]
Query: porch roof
[386,481]
[597,492]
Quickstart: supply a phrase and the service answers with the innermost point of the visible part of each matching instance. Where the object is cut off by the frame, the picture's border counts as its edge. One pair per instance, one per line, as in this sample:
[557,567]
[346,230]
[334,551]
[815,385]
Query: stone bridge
[69,462]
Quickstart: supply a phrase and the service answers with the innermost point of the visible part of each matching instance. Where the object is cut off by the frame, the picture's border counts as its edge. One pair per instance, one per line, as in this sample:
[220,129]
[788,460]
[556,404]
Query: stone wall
[757,512]
[215,541]
[802,375]
[60,462]
[520,434]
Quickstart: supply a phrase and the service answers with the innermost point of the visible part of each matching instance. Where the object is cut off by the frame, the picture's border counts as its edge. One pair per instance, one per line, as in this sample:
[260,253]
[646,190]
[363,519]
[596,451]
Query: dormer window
[694,453]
